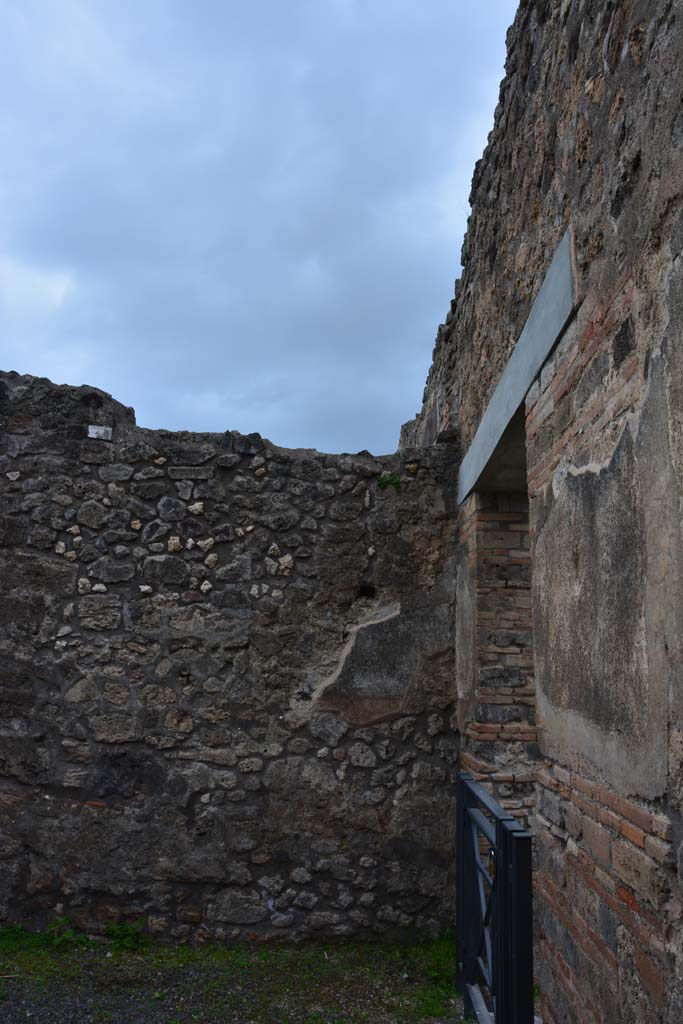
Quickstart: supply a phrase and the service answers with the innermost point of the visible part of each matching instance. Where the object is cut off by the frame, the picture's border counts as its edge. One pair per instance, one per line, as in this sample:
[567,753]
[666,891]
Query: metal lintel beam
[548,318]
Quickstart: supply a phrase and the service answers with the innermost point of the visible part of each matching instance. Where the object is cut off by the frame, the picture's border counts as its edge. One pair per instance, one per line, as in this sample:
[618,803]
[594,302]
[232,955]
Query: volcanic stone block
[93,515]
[117,471]
[238,907]
[116,728]
[165,569]
[171,509]
[100,611]
[109,570]
[190,472]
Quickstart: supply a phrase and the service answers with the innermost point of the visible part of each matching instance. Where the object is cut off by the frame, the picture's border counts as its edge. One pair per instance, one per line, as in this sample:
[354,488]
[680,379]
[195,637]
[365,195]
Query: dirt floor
[59,977]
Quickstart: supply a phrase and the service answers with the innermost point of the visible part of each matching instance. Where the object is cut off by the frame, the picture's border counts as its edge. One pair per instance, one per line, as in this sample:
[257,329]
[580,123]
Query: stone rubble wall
[226,699]
[264,744]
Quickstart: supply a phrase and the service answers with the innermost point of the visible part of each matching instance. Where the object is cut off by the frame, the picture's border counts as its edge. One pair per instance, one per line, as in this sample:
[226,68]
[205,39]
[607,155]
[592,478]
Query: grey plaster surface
[607,606]
[549,314]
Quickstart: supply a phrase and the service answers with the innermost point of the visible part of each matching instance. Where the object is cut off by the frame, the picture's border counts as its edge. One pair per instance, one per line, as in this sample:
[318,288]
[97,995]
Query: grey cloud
[241,215]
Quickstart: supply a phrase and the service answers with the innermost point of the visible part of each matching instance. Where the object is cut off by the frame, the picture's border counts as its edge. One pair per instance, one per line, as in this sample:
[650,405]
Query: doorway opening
[494,629]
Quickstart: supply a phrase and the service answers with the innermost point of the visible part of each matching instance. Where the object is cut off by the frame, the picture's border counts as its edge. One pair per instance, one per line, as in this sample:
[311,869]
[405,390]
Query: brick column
[497,693]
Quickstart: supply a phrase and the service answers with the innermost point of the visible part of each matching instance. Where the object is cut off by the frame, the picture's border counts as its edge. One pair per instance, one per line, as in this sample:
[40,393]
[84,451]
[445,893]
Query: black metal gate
[494,931]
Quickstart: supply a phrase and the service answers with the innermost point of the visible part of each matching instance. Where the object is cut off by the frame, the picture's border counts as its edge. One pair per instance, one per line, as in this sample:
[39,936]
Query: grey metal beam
[549,315]
[480,1008]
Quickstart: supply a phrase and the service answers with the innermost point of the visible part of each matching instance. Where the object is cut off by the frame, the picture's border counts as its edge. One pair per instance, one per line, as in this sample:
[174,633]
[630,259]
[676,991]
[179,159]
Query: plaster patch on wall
[607,603]
[381,670]
[574,740]
[383,614]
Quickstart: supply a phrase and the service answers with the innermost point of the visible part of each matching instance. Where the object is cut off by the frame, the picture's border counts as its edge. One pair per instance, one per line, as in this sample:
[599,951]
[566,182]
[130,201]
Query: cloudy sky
[241,214]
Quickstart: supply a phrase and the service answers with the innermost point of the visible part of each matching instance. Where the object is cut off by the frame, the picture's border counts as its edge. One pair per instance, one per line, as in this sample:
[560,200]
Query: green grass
[325,983]
[385,480]
[128,935]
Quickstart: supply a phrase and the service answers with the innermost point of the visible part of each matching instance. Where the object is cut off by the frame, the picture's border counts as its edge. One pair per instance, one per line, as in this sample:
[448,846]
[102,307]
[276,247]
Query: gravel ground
[336,984]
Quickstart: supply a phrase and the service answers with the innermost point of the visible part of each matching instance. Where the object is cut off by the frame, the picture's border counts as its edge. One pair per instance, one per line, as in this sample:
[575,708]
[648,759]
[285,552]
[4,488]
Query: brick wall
[607,887]
[604,865]
[604,878]
[606,882]
[588,133]
[499,744]
[592,381]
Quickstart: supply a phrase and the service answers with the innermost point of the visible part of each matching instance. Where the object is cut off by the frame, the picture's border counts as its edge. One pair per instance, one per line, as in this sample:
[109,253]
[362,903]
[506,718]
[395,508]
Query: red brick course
[613,855]
[605,405]
[609,861]
[495,537]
